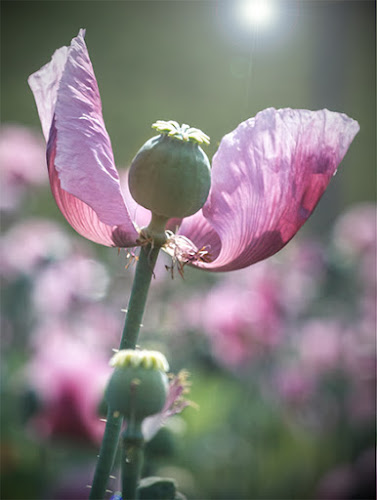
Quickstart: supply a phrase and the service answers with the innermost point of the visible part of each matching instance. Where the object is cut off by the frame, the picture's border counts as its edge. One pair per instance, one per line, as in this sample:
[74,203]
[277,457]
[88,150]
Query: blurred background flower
[21,155]
[282,354]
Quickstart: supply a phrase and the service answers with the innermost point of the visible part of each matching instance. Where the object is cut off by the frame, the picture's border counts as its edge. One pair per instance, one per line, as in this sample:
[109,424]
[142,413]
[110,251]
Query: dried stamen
[183,251]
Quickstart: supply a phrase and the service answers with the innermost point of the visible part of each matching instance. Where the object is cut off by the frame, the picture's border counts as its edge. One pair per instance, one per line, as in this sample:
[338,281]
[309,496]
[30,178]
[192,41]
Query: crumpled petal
[83,176]
[175,403]
[267,177]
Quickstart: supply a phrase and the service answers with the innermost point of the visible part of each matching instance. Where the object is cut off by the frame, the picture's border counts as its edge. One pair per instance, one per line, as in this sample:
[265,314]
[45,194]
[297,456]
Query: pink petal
[83,176]
[199,230]
[140,215]
[267,177]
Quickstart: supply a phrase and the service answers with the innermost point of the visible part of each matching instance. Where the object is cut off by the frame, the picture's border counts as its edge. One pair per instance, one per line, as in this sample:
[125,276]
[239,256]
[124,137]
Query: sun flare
[257,12]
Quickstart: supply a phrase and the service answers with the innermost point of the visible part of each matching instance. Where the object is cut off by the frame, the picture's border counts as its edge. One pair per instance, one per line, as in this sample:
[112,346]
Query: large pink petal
[267,177]
[83,176]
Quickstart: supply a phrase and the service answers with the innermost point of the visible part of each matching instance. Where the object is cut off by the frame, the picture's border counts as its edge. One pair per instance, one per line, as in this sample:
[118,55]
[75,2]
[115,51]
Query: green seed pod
[139,385]
[171,175]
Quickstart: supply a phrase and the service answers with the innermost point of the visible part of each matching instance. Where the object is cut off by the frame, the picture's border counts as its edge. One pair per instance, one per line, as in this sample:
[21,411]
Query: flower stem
[132,463]
[106,456]
[140,288]
[136,306]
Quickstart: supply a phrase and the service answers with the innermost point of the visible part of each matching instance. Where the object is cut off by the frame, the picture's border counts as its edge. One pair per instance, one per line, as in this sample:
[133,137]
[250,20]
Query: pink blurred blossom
[320,345]
[302,271]
[98,325]
[247,313]
[60,285]
[267,175]
[327,348]
[324,345]
[336,484]
[355,231]
[355,238]
[351,480]
[240,323]
[29,244]
[294,385]
[359,363]
[22,160]
[69,377]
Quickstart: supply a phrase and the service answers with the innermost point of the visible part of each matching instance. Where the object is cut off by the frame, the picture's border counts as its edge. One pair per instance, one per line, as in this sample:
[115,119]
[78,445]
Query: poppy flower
[267,175]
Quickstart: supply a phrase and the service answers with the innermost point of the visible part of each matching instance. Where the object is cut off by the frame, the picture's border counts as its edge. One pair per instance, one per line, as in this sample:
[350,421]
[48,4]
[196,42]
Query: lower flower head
[138,386]
[131,358]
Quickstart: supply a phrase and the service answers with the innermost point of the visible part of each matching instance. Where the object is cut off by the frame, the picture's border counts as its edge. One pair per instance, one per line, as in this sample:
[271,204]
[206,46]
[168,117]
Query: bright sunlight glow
[257,12]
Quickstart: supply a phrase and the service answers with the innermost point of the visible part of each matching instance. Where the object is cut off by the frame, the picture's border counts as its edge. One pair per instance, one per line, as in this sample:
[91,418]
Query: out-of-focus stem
[135,310]
[106,456]
[132,463]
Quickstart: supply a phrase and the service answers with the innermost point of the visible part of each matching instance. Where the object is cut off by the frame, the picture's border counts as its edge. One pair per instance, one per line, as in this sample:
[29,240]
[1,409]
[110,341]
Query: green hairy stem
[143,275]
[140,288]
[132,463]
